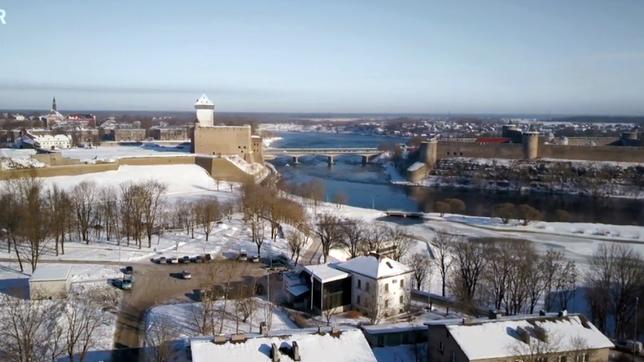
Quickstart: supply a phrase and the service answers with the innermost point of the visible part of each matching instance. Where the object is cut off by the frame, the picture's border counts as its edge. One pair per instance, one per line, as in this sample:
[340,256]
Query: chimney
[563,313]
[263,330]
[220,339]
[296,352]
[492,314]
[238,338]
[275,353]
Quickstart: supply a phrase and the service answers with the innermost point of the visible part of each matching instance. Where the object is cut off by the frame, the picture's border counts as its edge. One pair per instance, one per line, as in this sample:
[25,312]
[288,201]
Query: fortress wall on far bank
[448,149]
[217,168]
[593,153]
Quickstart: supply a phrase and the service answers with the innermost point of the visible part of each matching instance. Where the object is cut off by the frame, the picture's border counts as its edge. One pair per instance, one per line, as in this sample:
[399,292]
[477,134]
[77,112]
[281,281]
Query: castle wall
[224,140]
[593,153]
[468,149]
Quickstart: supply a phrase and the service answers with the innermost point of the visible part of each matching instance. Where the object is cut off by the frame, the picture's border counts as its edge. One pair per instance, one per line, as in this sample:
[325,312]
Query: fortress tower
[428,152]
[205,111]
[530,145]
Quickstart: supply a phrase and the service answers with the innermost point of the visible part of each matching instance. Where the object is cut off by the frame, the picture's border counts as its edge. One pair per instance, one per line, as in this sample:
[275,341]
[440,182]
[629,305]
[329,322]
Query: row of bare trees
[46,330]
[34,215]
[505,274]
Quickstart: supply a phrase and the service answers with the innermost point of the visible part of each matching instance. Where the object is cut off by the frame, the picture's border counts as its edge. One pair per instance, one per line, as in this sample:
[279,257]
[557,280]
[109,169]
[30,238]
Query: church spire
[53,105]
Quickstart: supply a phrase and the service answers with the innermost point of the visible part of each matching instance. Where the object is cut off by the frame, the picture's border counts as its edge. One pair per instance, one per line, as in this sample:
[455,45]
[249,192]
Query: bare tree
[159,338]
[34,221]
[614,281]
[60,207]
[419,264]
[297,240]
[442,246]
[83,314]
[400,242]
[330,233]
[29,330]
[84,199]
[470,262]
[207,212]
[152,206]
[354,236]
[108,209]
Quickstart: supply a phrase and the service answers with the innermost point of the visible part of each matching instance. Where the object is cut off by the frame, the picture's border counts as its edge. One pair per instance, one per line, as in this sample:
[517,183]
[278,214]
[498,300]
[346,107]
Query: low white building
[310,345]
[49,282]
[49,142]
[379,285]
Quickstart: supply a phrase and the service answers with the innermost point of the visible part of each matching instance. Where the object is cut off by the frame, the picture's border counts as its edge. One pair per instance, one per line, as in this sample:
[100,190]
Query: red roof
[493,140]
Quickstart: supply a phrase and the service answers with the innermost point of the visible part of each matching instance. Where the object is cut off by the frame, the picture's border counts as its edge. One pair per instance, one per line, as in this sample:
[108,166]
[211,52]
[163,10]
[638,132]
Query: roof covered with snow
[349,345]
[50,273]
[203,101]
[415,166]
[373,267]
[324,273]
[502,338]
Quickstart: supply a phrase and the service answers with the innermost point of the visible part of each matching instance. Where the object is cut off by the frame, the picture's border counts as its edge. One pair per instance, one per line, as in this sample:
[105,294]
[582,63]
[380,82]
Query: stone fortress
[518,145]
[208,139]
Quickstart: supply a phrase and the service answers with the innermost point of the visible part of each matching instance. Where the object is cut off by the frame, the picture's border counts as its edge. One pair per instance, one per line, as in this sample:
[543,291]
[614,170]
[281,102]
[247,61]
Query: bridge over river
[366,153]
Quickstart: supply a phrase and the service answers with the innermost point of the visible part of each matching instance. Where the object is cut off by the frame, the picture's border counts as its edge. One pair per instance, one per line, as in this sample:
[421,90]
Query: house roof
[297,290]
[502,338]
[349,345]
[373,267]
[324,273]
[50,273]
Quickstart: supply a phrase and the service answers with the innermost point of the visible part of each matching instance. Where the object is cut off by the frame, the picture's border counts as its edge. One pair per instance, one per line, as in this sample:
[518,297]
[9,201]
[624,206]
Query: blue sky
[479,56]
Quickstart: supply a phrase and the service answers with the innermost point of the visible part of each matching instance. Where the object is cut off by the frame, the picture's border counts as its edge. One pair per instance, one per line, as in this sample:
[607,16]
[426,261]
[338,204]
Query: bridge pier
[330,160]
[296,160]
[365,160]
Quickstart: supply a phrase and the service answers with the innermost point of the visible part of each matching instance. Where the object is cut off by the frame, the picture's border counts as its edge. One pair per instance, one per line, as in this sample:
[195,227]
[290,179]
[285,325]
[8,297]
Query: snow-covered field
[107,153]
[182,317]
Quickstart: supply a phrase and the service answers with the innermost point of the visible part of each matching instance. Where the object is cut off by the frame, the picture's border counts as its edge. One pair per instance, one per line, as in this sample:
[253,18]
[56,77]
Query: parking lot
[155,284]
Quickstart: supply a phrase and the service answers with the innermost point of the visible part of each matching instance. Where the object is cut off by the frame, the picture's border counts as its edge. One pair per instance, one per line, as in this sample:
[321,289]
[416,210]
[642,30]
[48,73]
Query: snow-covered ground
[109,153]
[182,317]
[182,180]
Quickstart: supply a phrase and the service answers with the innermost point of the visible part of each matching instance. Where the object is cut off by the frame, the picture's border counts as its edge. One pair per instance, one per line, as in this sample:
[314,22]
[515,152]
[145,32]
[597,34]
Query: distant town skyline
[496,56]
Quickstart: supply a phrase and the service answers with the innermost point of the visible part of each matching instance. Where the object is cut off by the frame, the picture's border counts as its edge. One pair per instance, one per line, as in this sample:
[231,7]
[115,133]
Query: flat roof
[50,273]
[325,274]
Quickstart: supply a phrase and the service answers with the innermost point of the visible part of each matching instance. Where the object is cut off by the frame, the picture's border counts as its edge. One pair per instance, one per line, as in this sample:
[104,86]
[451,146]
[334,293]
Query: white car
[186,275]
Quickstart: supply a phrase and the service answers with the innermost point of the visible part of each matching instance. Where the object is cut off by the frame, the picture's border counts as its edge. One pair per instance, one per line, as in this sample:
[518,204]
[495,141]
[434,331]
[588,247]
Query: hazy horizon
[499,57]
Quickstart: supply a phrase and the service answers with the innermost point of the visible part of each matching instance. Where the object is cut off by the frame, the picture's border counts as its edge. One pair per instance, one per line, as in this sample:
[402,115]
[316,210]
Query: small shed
[49,282]
[330,288]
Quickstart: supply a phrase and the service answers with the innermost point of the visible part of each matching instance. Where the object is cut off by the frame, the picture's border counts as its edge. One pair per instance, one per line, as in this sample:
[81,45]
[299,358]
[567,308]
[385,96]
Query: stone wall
[477,150]
[593,153]
[224,140]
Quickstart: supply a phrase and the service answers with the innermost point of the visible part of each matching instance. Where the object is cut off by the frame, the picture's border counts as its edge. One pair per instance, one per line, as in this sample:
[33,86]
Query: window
[367,287]
[401,299]
[393,281]
[359,283]
[453,356]
[386,288]
[402,283]
[387,305]
[358,300]
[441,348]
[562,358]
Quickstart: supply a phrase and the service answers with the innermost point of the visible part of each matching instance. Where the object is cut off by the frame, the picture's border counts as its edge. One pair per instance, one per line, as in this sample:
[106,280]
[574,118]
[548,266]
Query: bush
[528,213]
[456,205]
[506,211]
[442,207]
[562,216]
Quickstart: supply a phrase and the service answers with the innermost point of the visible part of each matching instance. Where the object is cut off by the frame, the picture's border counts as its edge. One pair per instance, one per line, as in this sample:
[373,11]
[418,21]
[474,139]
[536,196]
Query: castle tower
[428,152]
[53,105]
[530,145]
[205,111]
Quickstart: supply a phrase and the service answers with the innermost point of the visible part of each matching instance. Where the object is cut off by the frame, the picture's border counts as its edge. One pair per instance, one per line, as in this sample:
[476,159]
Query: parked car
[126,284]
[184,259]
[255,259]
[161,260]
[173,260]
[128,270]
[186,275]
[207,257]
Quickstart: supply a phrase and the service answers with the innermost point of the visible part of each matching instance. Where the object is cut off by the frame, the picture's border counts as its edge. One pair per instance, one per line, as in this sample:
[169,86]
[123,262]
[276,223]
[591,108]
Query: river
[368,186]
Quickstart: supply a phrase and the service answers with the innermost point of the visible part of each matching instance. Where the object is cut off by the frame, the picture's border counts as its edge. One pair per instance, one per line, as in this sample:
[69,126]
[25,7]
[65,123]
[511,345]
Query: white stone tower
[205,111]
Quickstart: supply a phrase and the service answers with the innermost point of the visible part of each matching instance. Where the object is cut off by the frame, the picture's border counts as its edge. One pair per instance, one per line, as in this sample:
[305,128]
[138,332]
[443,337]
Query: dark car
[128,269]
